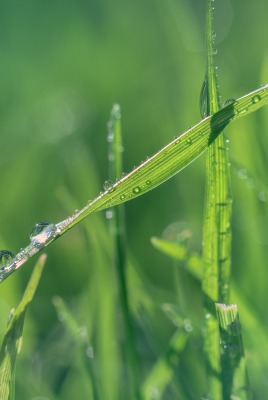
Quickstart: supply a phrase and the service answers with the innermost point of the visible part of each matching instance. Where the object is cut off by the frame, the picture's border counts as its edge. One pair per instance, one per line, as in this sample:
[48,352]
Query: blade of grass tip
[118,232]
[81,338]
[171,159]
[12,341]
[217,215]
[236,384]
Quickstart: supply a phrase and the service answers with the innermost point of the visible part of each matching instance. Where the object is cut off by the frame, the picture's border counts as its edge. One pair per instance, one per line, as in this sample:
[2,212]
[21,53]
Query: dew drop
[107,184]
[229,101]
[110,137]
[136,190]
[90,352]
[242,173]
[108,214]
[42,233]
[122,197]
[215,51]
[207,316]
[189,141]
[6,257]
[148,182]
[256,99]
[214,35]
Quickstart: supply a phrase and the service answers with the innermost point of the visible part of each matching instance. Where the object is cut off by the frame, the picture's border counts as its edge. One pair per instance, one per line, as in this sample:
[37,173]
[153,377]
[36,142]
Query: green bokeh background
[63,65]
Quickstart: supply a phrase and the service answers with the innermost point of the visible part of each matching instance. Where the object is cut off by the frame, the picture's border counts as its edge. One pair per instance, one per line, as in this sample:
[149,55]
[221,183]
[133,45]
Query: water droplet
[207,316]
[188,325]
[90,352]
[136,190]
[108,214]
[189,141]
[110,136]
[256,99]
[42,233]
[242,173]
[262,196]
[213,35]
[148,182]
[215,51]
[6,257]
[122,197]
[229,101]
[107,184]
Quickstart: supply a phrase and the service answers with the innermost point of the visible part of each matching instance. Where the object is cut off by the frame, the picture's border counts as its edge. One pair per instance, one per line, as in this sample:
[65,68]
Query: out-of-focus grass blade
[13,337]
[162,373]
[190,261]
[118,235]
[79,334]
[236,384]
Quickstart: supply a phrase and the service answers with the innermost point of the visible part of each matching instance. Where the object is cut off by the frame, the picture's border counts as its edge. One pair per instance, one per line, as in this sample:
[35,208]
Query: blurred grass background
[63,65]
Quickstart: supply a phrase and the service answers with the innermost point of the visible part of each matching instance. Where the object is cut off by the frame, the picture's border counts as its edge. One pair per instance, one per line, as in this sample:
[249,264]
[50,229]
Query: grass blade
[162,372]
[13,337]
[217,233]
[117,223]
[236,382]
[81,340]
[157,169]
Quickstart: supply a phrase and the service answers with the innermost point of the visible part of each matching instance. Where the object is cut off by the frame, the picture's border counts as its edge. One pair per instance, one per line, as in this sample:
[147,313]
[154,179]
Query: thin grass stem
[217,232]
[118,231]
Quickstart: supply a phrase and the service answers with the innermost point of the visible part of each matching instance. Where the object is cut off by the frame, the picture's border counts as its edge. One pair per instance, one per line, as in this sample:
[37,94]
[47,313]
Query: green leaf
[13,337]
[172,158]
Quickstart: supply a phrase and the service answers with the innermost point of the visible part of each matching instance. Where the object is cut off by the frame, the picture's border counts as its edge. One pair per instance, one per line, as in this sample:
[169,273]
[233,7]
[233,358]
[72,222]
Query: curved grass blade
[171,159]
[13,337]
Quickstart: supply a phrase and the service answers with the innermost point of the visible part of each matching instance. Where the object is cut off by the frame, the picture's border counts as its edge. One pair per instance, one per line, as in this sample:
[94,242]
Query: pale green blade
[13,337]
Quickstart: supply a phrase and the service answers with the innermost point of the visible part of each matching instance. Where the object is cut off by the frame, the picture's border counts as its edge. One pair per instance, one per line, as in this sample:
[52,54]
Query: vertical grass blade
[217,234]
[236,382]
[81,339]
[119,247]
[162,373]
[13,337]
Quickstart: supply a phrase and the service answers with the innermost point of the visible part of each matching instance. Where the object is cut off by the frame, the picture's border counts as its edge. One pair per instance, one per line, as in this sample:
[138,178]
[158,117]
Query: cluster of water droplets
[41,234]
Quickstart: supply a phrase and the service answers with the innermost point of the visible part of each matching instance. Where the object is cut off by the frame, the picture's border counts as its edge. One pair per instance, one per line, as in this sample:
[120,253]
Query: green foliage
[63,67]
[12,341]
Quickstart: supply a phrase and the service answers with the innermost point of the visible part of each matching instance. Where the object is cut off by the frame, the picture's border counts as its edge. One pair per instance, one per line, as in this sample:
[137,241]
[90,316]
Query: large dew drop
[42,233]
[6,257]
